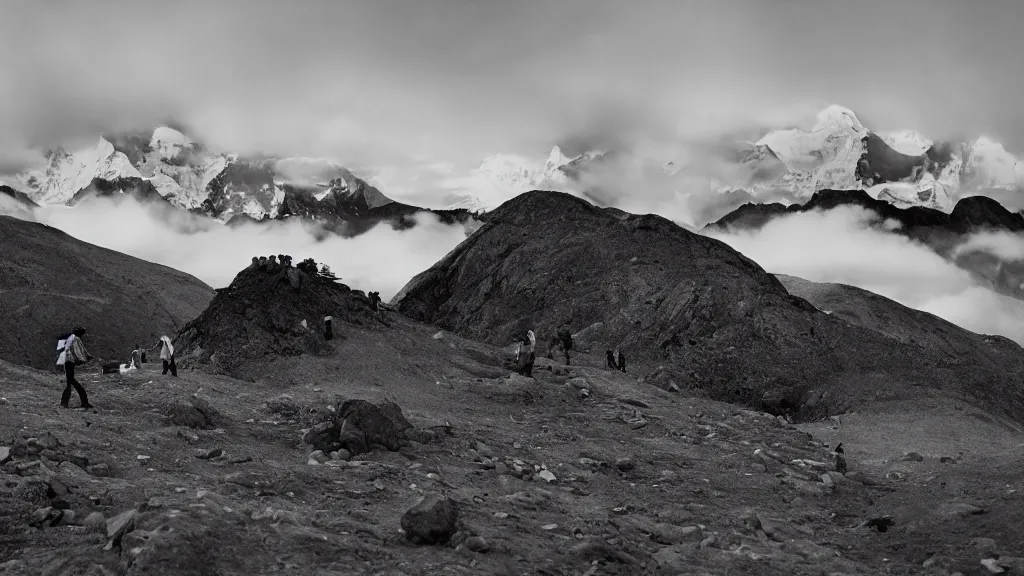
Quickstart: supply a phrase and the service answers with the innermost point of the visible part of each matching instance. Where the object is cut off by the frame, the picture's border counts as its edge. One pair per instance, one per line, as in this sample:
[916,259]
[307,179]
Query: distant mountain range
[944,233]
[838,152]
[166,165]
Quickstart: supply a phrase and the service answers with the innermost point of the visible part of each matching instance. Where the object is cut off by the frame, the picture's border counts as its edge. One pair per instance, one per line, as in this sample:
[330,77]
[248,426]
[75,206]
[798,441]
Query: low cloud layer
[841,246]
[382,259]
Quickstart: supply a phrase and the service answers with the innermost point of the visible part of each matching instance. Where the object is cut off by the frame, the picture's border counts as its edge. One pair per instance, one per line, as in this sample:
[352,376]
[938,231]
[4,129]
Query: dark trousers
[69,375]
[169,365]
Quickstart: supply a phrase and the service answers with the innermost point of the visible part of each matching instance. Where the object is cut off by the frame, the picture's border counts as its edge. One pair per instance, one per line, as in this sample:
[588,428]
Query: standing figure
[565,341]
[611,359]
[167,355]
[74,355]
[328,330]
[840,459]
[527,354]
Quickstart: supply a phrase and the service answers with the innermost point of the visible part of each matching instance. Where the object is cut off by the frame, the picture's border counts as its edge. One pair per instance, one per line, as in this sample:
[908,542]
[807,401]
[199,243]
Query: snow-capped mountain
[903,167]
[167,165]
[502,177]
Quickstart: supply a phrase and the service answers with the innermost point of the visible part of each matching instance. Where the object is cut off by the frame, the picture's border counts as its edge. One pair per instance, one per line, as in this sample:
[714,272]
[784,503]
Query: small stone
[243,479]
[478,544]
[992,565]
[546,476]
[181,490]
[434,476]
[319,456]
[312,462]
[912,457]
[5,454]
[100,469]
[827,481]
[95,522]
[488,464]
[142,458]
[209,454]
[501,515]
[78,459]
[625,464]
[484,450]
[946,460]
[432,520]
[549,527]
[517,445]
[50,455]
[121,524]
[501,468]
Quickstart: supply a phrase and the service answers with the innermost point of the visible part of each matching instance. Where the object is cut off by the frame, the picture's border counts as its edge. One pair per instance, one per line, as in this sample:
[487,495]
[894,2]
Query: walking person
[73,355]
[528,354]
[565,341]
[167,355]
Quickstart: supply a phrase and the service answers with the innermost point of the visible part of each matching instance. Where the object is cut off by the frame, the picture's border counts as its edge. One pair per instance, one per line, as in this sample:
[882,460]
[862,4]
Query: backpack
[62,343]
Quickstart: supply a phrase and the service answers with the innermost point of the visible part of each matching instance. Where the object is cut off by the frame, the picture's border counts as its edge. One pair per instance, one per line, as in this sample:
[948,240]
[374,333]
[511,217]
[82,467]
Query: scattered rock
[143,459]
[912,457]
[241,479]
[484,450]
[319,456]
[992,565]
[546,476]
[341,454]
[209,454]
[5,454]
[120,525]
[478,544]
[669,534]
[101,470]
[95,522]
[431,521]
[677,557]
[946,460]
[882,523]
[625,464]
[549,527]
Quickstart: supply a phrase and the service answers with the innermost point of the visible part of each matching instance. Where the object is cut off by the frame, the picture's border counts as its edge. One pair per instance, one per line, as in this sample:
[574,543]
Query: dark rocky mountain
[50,282]
[19,197]
[267,312]
[687,310]
[936,229]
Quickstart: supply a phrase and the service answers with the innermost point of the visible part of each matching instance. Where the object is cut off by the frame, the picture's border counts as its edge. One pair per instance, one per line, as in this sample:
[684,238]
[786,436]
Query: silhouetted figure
[611,359]
[375,301]
[272,263]
[255,263]
[841,462]
[565,341]
[328,330]
[74,355]
[137,357]
[263,263]
[620,360]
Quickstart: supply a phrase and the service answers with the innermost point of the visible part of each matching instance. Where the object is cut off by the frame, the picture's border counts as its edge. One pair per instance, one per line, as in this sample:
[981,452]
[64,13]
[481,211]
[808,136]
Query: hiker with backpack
[72,354]
[167,355]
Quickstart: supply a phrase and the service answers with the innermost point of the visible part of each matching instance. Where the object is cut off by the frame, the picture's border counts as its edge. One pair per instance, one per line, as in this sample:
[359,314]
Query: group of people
[561,342]
[71,353]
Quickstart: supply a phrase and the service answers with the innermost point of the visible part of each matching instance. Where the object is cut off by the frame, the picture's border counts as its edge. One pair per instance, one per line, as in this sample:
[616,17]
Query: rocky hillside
[49,282]
[267,312]
[943,232]
[690,311]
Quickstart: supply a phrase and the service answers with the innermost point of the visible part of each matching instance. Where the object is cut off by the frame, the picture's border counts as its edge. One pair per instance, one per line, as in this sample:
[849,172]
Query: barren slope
[50,282]
[688,309]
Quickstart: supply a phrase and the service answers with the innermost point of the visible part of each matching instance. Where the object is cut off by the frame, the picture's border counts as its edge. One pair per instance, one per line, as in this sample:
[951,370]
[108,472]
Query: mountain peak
[837,117]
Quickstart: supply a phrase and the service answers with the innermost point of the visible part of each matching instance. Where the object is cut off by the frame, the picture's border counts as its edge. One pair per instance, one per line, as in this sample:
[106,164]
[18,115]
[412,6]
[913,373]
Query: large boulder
[359,427]
[431,521]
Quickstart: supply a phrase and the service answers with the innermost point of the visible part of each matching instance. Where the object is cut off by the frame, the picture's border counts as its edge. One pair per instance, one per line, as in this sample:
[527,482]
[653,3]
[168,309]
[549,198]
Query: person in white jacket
[167,355]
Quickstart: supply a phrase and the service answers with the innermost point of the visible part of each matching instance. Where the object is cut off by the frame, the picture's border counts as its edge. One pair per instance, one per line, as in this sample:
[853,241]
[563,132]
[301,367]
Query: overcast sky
[386,83]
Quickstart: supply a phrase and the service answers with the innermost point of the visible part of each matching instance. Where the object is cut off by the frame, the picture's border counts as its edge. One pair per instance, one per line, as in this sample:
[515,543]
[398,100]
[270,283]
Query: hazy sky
[388,83]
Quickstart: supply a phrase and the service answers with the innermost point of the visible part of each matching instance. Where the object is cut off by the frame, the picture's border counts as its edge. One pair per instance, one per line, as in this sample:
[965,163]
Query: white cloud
[382,259]
[840,246]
